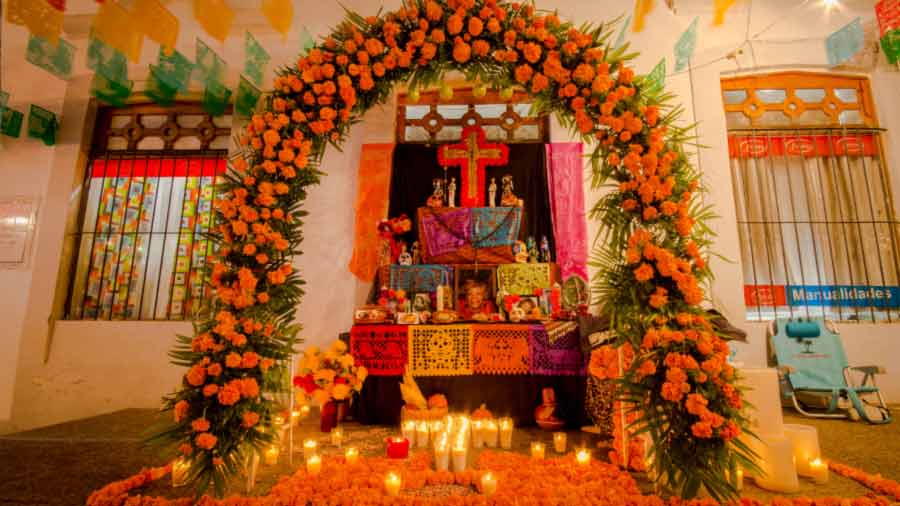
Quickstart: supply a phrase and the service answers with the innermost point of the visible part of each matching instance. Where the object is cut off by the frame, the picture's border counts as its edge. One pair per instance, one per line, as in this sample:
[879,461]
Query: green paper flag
[56,59]
[845,43]
[11,122]
[620,40]
[209,67]
[657,77]
[112,92]
[684,48]
[306,40]
[247,97]
[158,89]
[255,59]
[174,70]
[42,125]
[215,98]
[4,99]
[890,43]
[108,61]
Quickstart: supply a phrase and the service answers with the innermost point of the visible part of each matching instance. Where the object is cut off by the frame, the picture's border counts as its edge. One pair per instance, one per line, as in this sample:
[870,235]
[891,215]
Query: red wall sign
[757,146]
[888,14]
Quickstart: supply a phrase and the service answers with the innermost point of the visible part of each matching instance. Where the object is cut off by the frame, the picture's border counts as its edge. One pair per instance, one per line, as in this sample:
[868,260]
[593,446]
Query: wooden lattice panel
[147,126]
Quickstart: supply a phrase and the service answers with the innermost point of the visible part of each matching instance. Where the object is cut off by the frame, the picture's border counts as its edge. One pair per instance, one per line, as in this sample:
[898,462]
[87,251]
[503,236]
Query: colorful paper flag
[158,89]
[156,22]
[208,66]
[656,79]
[255,59]
[41,18]
[116,27]
[280,14]
[215,16]
[175,70]
[42,125]
[890,43]
[642,9]
[306,40]
[54,59]
[720,7]
[684,48]
[215,98]
[112,92]
[108,61]
[11,122]
[620,40]
[845,43]
[887,12]
[247,98]
[4,99]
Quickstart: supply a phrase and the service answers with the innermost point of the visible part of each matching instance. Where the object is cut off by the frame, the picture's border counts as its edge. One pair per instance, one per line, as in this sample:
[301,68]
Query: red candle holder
[397,447]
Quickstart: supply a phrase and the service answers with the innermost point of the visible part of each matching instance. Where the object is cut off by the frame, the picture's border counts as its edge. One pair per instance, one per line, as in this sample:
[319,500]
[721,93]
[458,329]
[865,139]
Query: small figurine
[404,258]
[545,414]
[437,197]
[533,254]
[520,252]
[492,193]
[451,193]
[416,253]
[545,250]
[509,199]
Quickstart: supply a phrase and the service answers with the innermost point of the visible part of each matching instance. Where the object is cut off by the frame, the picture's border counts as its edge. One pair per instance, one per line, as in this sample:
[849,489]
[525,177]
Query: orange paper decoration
[39,16]
[280,14]
[116,27]
[642,8]
[371,206]
[156,22]
[215,16]
[720,7]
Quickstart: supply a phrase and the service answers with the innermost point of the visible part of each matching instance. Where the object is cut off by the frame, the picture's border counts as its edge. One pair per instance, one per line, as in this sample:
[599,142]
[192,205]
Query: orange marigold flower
[229,395]
[481,47]
[263,297]
[200,425]
[461,51]
[181,409]
[196,375]
[644,272]
[650,213]
[433,11]
[249,419]
[233,360]
[532,52]
[214,369]
[509,38]
[629,205]
[454,24]
[539,83]
[249,360]
[210,390]
[205,441]
[475,26]
[493,25]
[249,388]
[701,430]
[523,73]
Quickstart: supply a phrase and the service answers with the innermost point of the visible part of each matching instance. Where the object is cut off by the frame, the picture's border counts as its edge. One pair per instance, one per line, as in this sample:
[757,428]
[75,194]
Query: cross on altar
[472,155]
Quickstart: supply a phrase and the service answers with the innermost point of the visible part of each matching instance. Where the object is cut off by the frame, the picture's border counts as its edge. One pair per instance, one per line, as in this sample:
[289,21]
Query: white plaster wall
[96,367]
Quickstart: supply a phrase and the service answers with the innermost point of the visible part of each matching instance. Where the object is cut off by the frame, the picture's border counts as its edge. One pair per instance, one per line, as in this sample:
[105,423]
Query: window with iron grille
[814,208]
[148,191]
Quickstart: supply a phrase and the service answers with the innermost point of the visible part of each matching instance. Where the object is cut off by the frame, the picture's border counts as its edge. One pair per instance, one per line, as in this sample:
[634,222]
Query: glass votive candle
[491,432]
[506,430]
[422,434]
[408,429]
[180,469]
[488,484]
[337,436]
[559,442]
[441,455]
[351,455]
[314,464]
[818,471]
[459,458]
[392,484]
[309,448]
[537,450]
[271,455]
[477,434]
[583,457]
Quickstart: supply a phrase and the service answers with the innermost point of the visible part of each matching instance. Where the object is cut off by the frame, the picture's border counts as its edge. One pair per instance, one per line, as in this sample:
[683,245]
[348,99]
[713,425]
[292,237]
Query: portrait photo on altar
[476,287]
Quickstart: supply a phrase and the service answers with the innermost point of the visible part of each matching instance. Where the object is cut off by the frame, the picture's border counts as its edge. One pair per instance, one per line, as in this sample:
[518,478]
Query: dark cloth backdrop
[416,165]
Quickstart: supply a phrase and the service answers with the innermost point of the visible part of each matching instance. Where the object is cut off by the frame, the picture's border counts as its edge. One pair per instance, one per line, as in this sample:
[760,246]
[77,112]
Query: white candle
[309,448]
[490,431]
[422,434]
[477,434]
[314,465]
[278,420]
[805,442]
[459,458]
[271,455]
[488,484]
[441,455]
[506,429]
[537,450]
[351,455]
[818,471]
[739,482]
[180,469]
[776,460]
[392,484]
[559,442]
[408,430]
[436,428]
[583,457]
[337,436]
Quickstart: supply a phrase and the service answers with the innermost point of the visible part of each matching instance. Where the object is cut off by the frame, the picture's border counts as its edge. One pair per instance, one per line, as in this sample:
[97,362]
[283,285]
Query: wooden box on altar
[468,235]
[524,279]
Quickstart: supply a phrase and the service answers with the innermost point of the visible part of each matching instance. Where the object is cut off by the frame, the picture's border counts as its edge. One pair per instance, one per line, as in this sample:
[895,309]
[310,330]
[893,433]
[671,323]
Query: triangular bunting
[845,43]
[175,70]
[684,48]
[306,40]
[56,59]
[247,98]
[215,98]
[158,89]
[108,61]
[642,9]
[11,122]
[109,91]
[41,18]
[720,7]
[620,40]
[215,16]
[156,22]
[280,14]
[255,59]
[656,79]
[116,27]
[42,125]
[208,66]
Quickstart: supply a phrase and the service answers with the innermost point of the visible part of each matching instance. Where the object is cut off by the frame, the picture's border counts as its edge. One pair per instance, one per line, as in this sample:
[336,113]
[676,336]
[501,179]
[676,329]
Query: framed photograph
[528,305]
[421,302]
[476,288]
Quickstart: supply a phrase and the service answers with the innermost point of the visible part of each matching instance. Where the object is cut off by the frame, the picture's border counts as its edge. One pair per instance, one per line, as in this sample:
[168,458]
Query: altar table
[502,365]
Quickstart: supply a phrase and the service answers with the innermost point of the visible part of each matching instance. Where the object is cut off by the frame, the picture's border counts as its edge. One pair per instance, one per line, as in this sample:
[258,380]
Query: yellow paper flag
[215,16]
[39,16]
[156,22]
[280,14]
[720,7]
[116,27]
[641,9]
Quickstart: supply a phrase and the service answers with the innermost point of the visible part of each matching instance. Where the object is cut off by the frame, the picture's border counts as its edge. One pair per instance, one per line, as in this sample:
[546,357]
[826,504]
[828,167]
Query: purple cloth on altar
[565,177]
[447,232]
[561,358]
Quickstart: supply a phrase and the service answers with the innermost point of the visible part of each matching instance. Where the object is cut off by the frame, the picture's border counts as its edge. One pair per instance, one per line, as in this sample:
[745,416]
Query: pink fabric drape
[565,177]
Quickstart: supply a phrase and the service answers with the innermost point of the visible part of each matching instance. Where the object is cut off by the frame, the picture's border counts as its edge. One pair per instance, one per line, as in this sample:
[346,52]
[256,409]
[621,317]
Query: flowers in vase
[329,375]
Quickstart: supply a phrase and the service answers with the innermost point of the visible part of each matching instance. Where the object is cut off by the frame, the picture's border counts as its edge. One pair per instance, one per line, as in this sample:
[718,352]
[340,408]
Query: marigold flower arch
[650,258]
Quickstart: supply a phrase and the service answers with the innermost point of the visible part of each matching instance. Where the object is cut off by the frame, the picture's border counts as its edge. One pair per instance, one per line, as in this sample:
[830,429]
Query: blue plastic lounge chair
[810,357]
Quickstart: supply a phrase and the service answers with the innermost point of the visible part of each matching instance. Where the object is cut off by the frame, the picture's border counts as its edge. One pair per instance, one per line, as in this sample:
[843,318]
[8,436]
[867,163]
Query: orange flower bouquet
[327,377]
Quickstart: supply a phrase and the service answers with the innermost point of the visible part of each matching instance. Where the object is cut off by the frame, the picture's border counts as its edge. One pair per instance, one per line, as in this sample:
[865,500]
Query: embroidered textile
[561,358]
[381,349]
[495,226]
[500,349]
[446,231]
[565,177]
[523,279]
[440,350]
[371,206]
[557,329]
[419,278]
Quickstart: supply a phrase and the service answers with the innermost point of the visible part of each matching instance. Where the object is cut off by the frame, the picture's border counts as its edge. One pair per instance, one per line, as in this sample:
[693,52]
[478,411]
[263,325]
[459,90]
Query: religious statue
[520,252]
[533,253]
[545,250]
[451,193]
[404,258]
[545,414]
[437,197]
[472,154]
[492,193]
[509,199]
[416,253]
